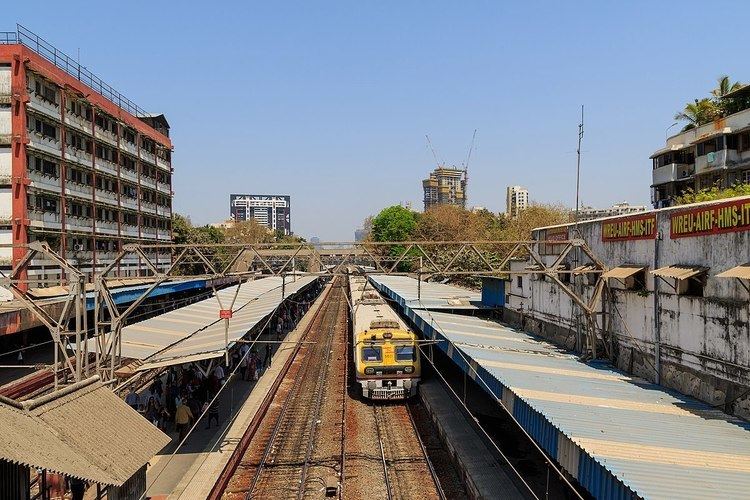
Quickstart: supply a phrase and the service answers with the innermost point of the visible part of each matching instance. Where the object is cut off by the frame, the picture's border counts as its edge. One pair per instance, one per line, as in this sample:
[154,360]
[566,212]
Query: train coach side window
[405,353]
[372,354]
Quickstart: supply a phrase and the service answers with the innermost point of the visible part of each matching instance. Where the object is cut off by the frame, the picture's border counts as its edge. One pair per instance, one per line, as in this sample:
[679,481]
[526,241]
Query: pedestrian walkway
[193,470]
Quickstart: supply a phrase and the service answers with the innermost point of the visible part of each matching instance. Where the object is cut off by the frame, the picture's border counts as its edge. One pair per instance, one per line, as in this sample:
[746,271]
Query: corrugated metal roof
[196,329]
[85,432]
[656,442]
[617,434]
[679,272]
[433,295]
[622,272]
[742,272]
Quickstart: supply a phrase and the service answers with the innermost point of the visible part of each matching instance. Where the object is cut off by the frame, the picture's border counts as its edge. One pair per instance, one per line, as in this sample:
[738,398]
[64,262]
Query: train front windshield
[372,354]
[406,353]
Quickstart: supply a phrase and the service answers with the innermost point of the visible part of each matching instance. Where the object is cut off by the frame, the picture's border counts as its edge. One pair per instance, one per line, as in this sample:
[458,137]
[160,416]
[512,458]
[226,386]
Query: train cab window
[405,353]
[372,354]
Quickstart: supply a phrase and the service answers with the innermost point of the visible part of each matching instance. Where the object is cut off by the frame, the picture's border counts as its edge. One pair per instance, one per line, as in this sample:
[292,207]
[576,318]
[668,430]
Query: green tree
[724,86]
[698,113]
[712,193]
[394,223]
[181,229]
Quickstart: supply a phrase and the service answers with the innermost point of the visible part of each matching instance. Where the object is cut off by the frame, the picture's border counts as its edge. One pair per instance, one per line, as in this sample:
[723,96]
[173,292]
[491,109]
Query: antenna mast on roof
[578,168]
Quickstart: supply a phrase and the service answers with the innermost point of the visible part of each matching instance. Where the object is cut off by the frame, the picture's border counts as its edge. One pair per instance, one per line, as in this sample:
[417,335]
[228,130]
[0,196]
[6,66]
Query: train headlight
[369,370]
[408,369]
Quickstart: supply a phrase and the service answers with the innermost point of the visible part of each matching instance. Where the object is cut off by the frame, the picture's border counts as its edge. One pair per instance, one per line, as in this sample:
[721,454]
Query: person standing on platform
[132,399]
[183,417]
[267,357]
[253,366]
[219,373]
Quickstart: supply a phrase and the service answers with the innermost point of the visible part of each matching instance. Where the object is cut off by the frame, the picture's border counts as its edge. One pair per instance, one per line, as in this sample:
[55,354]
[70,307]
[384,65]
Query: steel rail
[433,473]
[318,400]
[252,429]
[291,396]
[378,421]
[344,398]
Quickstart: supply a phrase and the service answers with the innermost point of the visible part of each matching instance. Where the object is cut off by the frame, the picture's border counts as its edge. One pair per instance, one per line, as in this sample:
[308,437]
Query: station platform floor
[192,472]
[481,472]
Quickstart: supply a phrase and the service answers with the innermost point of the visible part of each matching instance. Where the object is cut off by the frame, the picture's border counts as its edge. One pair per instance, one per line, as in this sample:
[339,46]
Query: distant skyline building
[270,210]
[624,208]
[516,200]
[445,186]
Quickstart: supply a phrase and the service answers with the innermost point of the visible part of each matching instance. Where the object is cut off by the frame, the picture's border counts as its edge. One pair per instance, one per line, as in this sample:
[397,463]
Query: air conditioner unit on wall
[78,248]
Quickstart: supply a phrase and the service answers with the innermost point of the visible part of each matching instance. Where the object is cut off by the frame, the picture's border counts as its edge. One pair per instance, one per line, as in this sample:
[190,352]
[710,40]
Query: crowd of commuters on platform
[176,399]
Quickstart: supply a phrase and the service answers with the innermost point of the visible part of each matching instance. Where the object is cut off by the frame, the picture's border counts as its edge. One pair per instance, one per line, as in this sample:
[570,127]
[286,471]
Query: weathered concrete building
[81,166]
[674,313]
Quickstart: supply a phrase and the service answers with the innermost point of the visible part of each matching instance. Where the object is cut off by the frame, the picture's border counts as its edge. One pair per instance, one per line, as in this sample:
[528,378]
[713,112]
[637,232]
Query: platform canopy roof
[83,431]
[598,421]
[429,295]
[196,332]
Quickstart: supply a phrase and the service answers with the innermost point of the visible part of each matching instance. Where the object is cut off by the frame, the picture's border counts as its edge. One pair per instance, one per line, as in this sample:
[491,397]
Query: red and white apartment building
[81,166]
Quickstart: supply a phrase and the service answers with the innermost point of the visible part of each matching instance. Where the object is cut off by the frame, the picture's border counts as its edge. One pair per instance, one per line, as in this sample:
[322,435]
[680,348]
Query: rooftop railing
[31,40]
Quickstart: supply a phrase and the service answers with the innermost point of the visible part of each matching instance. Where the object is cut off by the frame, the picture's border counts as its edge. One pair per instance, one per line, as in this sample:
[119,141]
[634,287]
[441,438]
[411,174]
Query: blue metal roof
[129,294]
[428,295]
[619,435]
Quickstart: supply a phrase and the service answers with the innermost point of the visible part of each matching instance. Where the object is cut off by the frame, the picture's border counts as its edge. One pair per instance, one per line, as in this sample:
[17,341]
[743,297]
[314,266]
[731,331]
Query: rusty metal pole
[226,341]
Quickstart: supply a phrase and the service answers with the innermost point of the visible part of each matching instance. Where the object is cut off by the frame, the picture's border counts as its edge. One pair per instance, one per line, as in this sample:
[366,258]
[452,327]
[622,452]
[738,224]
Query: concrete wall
[704,341]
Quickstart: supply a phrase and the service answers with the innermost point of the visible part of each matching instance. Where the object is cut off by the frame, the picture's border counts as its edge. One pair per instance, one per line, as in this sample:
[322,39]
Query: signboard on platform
[634,227]
[727,217]
[225,313]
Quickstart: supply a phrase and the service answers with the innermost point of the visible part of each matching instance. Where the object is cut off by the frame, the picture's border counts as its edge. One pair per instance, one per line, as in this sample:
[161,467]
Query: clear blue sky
[330,101]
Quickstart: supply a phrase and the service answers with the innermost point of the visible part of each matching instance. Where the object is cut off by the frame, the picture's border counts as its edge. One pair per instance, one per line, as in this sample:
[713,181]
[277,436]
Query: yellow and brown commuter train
[386,352]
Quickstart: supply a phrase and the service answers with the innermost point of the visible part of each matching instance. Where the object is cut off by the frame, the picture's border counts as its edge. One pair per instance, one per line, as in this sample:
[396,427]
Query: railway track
[405,462]
[316,437]
[286,456]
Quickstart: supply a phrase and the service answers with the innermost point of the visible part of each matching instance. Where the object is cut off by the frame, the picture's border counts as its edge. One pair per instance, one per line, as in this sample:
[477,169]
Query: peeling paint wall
[704,341]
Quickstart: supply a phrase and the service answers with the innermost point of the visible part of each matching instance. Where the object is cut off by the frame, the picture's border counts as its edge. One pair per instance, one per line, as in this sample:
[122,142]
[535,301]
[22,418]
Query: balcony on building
[78,116]
[129,174]
[76,155]
[129,230]
[44,97]
[44,219]
[79,223]
[107,227]
[106,129]
[148,157]
[128,141]
[148,207]
[675,162]
[164,188]
[106,166]
[149,232]
[106,196]
[44,135]
[44,174]
[73,188]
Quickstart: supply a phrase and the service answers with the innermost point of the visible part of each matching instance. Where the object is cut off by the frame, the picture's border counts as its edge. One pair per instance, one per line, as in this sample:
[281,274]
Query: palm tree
[724,86]
[728,105]
[698,113]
